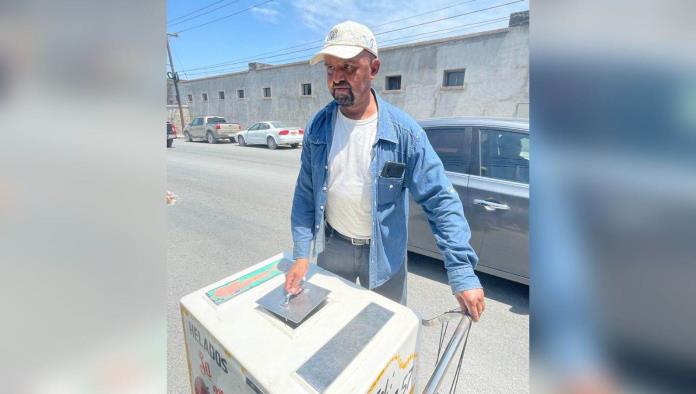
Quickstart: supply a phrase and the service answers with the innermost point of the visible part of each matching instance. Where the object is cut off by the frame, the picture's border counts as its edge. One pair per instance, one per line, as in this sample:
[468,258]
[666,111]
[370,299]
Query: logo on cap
[332,35]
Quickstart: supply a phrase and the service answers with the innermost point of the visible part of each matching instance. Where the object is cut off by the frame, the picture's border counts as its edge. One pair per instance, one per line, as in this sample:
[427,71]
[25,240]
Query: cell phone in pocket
[393,169]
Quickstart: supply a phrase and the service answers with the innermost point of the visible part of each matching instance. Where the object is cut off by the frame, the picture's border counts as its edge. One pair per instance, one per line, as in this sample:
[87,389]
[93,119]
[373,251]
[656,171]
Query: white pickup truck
[211,129]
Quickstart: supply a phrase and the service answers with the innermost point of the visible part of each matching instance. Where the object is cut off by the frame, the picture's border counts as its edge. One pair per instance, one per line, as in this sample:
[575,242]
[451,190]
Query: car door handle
[491,206]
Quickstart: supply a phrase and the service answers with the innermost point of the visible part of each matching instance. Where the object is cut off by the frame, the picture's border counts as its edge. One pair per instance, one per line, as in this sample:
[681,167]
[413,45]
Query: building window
[240,93]
[221,95]
[306,89]
[204,96]
[190,97]
[393,82]
[267,92]
[454,78]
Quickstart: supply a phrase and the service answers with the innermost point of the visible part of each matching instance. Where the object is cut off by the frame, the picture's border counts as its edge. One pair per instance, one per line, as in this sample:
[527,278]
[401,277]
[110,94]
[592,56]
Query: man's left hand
[472,301]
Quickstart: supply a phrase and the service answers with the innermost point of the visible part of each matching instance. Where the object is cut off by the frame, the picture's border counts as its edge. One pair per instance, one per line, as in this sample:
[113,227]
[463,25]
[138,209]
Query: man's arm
[431,188]
[301,219]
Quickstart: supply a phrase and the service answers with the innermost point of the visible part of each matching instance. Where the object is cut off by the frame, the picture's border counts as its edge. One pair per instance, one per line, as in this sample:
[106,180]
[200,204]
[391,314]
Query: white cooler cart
[243,336]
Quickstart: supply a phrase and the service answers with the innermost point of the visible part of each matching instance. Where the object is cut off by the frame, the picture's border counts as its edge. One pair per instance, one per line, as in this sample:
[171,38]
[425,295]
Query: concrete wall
[496,82]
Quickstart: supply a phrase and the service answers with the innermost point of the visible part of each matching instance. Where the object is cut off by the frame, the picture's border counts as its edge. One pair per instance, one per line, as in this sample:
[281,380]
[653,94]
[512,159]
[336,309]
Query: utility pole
[175,78]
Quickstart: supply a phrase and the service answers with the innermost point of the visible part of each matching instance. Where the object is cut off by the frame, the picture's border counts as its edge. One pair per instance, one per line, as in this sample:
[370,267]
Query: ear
[374,67]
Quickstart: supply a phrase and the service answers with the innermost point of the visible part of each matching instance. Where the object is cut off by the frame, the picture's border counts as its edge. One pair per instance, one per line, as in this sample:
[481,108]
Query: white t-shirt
[348,196]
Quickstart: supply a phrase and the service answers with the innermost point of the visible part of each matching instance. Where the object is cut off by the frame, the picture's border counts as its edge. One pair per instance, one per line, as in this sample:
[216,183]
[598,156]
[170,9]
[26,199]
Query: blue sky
[285,31]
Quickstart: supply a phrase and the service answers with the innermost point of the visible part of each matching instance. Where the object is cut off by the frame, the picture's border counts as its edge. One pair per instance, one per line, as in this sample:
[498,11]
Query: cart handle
[443,364]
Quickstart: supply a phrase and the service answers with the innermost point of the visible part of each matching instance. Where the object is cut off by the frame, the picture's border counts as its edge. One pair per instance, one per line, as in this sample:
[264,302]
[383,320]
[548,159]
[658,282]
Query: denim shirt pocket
[388,189]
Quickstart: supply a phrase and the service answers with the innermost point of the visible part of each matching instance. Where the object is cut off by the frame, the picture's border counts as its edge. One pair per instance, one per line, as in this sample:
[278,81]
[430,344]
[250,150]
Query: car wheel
[169,143]
[240,141]
[293,146]
[211,139]
[271,143]
[188,137]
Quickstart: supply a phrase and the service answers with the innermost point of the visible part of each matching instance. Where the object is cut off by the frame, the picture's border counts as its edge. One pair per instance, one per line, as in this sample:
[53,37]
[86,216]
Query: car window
[281,125]
[453,145]
[504,155]
[216,120]
[264,126]
[199,121]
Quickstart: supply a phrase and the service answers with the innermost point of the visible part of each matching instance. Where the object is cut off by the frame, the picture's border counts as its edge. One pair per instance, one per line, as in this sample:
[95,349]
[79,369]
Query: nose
[337,76]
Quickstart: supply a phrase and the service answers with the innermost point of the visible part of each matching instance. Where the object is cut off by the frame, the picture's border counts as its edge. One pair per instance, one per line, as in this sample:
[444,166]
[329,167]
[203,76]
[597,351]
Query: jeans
[352,262]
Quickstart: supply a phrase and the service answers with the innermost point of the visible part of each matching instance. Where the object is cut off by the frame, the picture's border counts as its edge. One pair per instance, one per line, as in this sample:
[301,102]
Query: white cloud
[266,14]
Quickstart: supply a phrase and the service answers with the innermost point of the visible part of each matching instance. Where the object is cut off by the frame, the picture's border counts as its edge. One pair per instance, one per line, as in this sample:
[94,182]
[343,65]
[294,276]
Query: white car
[271,134]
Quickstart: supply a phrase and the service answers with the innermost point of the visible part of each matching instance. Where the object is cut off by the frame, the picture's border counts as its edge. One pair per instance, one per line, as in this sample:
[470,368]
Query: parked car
[171,134]
[271,134]
[211,129]
[487,161]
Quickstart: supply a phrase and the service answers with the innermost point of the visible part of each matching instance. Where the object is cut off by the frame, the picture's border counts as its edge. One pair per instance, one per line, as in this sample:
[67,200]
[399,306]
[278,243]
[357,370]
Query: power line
[194,11]
[205,13]
[393,41]
[450,17]
[425,13]
[226,16]
[447,30]
[318,41]
[243,60]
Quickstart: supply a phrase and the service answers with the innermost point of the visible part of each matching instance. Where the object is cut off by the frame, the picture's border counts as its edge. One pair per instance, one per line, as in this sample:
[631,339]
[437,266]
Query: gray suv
[487,161]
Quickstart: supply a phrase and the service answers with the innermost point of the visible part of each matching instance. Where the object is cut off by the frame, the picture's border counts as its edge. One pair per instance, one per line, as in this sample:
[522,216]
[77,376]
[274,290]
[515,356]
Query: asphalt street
[233,210]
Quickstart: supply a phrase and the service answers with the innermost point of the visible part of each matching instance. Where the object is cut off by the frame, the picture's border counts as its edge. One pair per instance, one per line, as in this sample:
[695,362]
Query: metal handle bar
[443,364]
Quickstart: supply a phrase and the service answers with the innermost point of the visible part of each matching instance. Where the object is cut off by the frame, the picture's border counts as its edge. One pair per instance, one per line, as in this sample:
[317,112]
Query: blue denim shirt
[399,139]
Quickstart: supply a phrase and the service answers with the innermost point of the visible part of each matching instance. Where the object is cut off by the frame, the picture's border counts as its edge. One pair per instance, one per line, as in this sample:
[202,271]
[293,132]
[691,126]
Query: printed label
[238,286]
[212,369]
[395,377]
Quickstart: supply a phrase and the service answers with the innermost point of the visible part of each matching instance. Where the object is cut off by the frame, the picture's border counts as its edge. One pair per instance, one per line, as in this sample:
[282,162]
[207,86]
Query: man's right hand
[295,275]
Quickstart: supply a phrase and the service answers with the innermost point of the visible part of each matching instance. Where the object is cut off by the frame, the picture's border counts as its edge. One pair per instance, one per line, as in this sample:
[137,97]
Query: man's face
[350,80]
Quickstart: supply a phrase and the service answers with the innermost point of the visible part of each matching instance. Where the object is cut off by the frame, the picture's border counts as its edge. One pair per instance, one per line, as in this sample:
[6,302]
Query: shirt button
[323,188]
[326,167]
[321,207]
[391,186]
[317,227]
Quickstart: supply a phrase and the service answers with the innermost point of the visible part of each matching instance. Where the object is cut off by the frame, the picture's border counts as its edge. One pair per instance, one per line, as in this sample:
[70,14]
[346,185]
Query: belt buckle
[358,242]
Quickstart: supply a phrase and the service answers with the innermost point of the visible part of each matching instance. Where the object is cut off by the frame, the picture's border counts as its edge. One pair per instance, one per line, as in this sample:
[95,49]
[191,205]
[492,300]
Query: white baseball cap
[345,41]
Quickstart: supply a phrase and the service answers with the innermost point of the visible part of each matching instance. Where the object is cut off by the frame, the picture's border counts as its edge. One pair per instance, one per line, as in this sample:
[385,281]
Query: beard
[343,99]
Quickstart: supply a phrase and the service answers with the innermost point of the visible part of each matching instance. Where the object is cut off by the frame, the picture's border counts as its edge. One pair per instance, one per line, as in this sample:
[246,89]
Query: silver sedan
[487,161]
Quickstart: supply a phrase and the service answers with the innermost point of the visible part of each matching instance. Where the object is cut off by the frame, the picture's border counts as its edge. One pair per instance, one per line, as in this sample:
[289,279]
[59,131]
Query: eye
[329,68]
[348,67]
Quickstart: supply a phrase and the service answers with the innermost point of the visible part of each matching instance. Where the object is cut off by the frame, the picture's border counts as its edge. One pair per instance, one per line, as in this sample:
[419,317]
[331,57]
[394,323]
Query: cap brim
[339,51]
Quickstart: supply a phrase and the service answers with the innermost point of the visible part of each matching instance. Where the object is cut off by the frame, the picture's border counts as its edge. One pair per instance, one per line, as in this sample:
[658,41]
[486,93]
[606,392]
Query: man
[359,156]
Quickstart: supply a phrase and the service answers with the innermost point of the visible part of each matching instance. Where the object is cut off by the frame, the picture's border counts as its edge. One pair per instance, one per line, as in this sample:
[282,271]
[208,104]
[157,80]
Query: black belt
[353,241]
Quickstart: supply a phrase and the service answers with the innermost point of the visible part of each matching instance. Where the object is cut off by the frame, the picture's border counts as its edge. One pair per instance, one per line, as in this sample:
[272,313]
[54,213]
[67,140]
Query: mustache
[341,85]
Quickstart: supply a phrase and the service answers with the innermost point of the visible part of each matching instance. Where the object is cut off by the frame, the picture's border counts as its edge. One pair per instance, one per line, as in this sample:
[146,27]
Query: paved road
[234,211]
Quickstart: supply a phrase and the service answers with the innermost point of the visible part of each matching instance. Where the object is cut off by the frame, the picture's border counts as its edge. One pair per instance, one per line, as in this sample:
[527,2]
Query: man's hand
[472,301]
[294,276]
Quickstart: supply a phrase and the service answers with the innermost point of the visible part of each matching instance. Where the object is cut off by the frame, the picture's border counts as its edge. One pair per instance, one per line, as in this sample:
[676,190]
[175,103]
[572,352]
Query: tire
[240,141]
[294,146]
[271,143]
[211,138]
[188,136]
[170,143]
